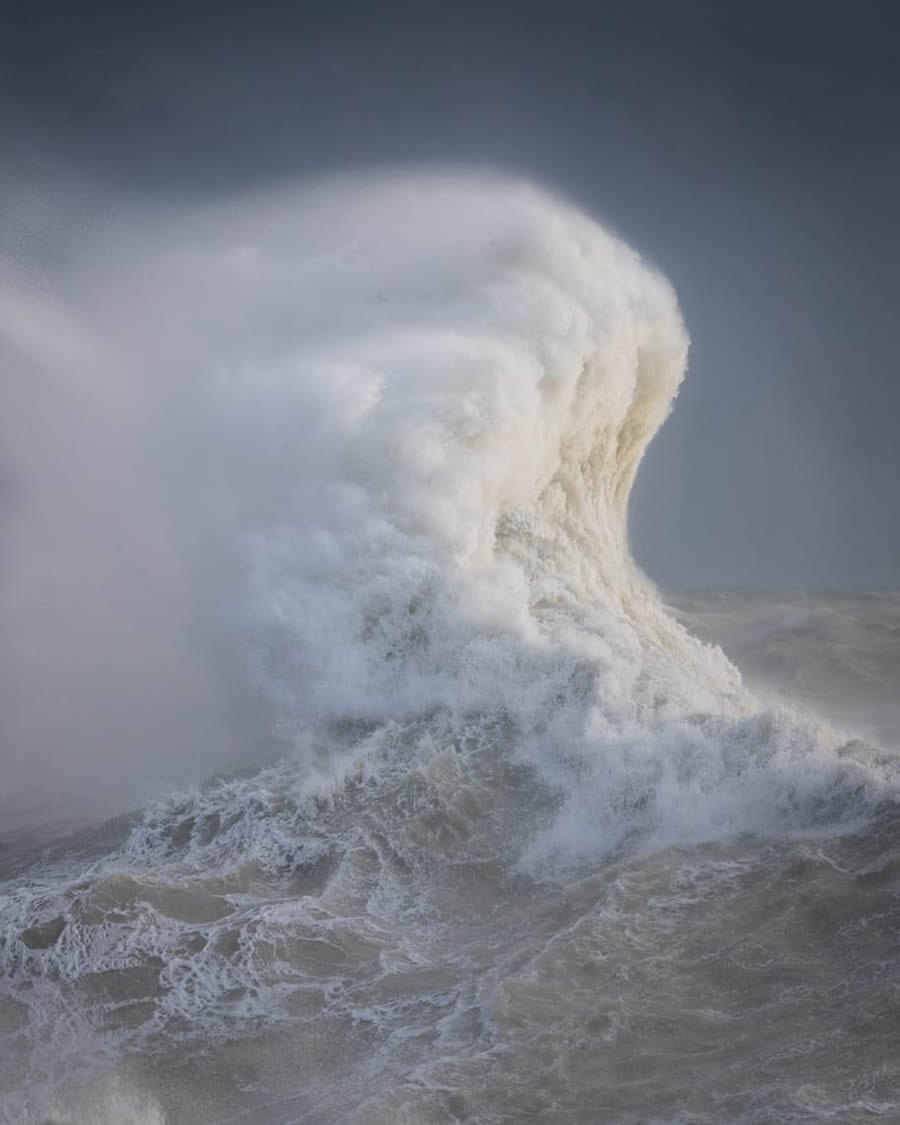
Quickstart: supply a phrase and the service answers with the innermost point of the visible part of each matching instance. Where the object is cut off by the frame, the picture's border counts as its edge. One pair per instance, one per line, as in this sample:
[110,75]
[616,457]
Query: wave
[460,406]
[411,407]
[417,405]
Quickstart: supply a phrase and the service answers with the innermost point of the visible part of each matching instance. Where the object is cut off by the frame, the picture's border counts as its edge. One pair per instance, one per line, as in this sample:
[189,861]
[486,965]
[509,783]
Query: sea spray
[390,425]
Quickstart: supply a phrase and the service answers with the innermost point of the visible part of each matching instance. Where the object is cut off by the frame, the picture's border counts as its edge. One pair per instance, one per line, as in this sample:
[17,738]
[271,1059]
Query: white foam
[409,409]
[413,407]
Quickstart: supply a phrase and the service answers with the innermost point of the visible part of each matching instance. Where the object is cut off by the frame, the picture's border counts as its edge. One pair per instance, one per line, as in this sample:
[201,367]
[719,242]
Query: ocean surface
[529,841]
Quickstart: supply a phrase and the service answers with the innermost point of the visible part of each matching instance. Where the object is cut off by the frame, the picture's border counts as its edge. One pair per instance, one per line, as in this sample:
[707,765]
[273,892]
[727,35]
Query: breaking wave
[413,409]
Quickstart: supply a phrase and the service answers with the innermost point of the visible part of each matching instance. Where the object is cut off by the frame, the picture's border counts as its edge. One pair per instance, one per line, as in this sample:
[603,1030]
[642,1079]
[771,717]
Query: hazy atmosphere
[749,150]
[449,563]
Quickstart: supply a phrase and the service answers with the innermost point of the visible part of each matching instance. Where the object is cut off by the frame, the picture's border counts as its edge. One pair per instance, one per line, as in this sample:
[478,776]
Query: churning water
[522,848]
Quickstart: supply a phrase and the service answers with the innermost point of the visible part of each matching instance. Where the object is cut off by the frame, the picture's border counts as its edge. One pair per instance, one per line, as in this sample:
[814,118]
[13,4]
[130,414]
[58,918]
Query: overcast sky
[749,149]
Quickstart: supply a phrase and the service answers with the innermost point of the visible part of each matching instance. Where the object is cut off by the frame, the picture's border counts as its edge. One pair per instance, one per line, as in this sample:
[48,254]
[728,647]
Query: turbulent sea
[528,843]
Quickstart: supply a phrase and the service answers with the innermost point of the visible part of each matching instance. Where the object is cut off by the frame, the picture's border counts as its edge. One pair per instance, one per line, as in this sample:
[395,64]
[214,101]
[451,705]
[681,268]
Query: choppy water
[241,955]
[837,655]
[523,848]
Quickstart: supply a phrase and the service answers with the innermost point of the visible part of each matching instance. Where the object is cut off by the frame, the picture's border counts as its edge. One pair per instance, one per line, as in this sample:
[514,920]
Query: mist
[753,168]
[115,683]
[195,490]
[748,153]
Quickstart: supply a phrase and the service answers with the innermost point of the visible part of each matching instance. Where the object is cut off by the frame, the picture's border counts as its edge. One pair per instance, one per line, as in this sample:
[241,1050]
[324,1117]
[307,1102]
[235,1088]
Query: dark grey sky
[750,149]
